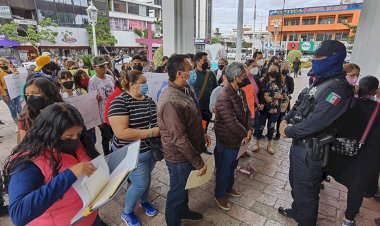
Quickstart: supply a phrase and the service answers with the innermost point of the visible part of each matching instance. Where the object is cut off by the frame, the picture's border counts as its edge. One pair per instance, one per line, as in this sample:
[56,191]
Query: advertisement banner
[306,46]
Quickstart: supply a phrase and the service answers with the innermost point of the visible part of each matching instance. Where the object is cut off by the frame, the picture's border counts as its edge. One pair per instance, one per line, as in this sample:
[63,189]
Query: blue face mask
[329,67]
[193,78]
[144,89]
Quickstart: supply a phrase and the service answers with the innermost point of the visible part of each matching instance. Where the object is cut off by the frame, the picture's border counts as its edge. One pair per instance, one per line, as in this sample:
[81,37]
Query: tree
[293,54]
[214,40]
[104,37]
[353,29]
[31,34]
[244,44]
[158,55]
[139,32]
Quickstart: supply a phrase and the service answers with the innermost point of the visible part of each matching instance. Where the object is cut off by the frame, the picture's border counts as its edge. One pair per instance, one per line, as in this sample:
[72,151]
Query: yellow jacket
[3,86]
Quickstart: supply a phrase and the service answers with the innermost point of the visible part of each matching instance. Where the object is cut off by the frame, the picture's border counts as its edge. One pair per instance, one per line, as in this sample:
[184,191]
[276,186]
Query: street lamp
[92,13]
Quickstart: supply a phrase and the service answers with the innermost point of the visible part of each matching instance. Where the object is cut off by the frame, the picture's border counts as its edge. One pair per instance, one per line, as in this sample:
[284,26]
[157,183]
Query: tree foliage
[353,29]
[293,54]
[45,32]
[104,37]
[158,55]
[215,40]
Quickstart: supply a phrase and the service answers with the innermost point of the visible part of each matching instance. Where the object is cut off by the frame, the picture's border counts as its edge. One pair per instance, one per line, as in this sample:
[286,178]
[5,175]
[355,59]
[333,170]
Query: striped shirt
[139,116]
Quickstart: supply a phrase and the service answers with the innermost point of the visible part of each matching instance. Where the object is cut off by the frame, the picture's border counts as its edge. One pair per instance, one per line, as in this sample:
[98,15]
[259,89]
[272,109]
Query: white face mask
[80,64]
[254,71]
[260,62]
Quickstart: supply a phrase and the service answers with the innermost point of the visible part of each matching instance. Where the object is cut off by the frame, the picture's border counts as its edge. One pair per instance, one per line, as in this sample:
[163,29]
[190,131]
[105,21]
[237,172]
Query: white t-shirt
[66,95]
[104,87]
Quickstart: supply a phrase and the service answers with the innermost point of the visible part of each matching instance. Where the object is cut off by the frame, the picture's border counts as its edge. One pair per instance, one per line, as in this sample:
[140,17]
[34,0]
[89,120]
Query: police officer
[313,116]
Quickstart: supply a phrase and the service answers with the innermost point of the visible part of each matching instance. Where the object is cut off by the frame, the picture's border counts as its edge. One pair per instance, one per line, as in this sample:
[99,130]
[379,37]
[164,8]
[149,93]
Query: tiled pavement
[263,193]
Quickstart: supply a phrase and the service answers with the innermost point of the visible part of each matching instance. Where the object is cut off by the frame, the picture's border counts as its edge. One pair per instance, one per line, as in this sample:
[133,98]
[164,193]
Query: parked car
[26,65]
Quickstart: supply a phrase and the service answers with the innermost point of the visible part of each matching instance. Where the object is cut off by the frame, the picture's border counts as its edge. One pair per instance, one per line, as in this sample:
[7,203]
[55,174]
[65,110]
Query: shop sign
[199,41]
[319,9]
[26,22]
[292,46]
[306,46]
[69,40]
[5,12]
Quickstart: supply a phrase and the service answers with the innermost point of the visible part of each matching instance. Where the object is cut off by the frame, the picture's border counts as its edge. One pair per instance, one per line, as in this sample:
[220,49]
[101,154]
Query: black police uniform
[312,116]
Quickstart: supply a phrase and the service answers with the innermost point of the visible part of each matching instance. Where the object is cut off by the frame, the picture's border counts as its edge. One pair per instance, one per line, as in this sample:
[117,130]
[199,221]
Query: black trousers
[282,114]
[305,176]
[354,202]
[107,134]
[206,115]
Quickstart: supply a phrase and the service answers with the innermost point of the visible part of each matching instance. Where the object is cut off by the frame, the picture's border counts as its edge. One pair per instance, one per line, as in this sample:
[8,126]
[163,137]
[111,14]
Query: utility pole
[239,37]
[254,29]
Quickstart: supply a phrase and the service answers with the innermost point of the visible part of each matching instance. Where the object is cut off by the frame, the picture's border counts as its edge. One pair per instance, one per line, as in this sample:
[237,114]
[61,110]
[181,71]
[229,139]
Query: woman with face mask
[39,93]
[270,97]
[133,116]
[81,80]
[353,72]
[66,80]
[41,170]
[358,173]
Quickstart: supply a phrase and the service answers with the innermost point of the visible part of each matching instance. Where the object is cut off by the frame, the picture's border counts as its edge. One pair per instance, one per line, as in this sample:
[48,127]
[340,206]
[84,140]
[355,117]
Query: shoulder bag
[348,147]
[154,143]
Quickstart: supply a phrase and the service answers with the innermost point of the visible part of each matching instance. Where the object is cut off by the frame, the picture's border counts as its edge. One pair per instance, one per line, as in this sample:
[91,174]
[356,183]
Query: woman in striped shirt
[133,116]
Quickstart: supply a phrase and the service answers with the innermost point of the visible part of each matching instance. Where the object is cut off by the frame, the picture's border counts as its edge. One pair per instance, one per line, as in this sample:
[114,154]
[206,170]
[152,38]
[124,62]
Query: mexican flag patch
[333,99]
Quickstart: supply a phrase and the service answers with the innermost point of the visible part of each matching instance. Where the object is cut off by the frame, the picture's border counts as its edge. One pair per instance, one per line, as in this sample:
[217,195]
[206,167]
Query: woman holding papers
[39,93]
[233,127]
[133,116]
[41,170]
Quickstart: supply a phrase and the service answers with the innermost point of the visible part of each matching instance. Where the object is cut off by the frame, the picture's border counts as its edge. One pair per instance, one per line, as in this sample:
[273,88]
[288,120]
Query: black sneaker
[286,212]
[1,122]
[192,216]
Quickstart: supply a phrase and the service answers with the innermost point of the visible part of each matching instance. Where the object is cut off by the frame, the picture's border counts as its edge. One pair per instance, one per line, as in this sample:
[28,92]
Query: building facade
[306,28]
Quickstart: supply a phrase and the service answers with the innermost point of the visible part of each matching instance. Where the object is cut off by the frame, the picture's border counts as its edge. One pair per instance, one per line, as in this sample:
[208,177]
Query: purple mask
[353,80]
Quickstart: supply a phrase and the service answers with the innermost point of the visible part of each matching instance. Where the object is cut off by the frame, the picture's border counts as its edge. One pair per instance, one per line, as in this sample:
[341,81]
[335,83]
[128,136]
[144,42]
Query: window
[326,20]
[81,19]
[119,6]
[308,21]
[284,37]
[341,36]
[293,37]
[64,1]
[309,37]
[133,8]
[143,10]
[80,2]
[47,14]
[324,36]
[345,18]
[137,24]
[119,24]
[65,18]
[292,22]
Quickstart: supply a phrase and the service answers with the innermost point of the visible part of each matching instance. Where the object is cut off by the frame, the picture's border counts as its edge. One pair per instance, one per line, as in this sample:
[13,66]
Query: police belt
[305,141]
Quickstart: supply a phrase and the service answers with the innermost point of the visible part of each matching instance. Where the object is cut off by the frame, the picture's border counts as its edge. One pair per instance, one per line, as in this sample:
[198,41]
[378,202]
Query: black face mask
[4,67]
[274,74]
[36,103]
[220,67]
[285,72]
[138,67]
[68,146]
[68,84]
[205,66]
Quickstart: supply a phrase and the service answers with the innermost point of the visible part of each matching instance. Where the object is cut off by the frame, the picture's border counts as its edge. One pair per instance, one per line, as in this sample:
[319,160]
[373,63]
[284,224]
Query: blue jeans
[140,178]
[272,119]
[225,164]
[256,124]
[14,106]
[177,203]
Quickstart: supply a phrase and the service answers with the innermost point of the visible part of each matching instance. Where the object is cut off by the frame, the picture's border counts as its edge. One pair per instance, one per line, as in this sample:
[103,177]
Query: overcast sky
[225,11]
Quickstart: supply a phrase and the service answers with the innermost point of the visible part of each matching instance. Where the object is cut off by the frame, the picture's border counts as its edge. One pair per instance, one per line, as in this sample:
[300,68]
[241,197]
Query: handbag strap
[370,123]
[150,113]
[200,94]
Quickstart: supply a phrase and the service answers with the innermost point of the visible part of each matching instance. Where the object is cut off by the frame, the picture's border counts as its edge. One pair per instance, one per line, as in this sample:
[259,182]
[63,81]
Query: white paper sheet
[14,83]
[243,149]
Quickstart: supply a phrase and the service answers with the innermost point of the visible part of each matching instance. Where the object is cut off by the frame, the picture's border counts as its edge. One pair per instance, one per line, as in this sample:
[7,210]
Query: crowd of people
[240,100]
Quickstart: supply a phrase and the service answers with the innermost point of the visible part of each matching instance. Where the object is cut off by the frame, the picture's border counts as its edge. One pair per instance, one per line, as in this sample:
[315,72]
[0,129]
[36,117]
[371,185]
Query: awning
[4,41]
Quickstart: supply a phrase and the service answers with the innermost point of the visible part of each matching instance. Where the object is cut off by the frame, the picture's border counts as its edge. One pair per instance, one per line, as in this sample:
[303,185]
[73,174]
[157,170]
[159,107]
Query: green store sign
[306,46]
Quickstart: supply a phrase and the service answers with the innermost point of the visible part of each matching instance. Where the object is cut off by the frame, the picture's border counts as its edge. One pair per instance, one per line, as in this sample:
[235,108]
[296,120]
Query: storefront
[8,49]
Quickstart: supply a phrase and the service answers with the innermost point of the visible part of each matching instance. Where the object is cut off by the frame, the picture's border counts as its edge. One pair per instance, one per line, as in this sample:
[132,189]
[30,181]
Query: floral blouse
[269,91]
